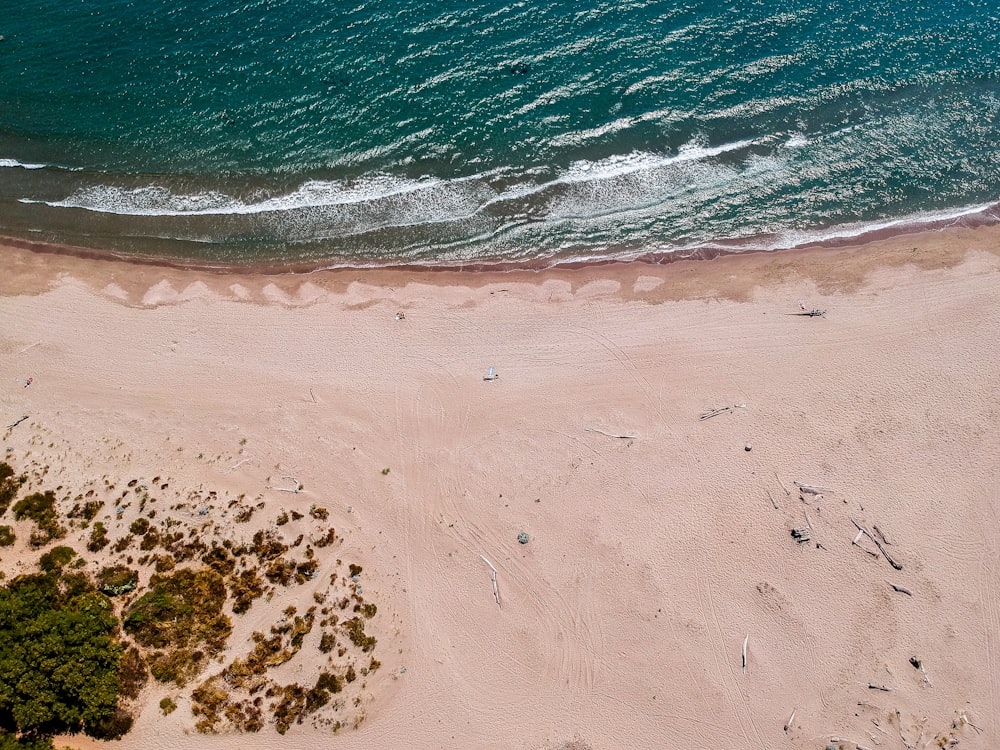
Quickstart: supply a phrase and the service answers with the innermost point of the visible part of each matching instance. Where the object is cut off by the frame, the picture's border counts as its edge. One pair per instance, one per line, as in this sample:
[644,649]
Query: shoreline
[975,217]
[33,267]
[650,560]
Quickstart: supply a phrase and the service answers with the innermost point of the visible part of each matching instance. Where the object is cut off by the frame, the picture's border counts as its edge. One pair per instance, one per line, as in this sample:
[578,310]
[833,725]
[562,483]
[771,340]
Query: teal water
[443,132]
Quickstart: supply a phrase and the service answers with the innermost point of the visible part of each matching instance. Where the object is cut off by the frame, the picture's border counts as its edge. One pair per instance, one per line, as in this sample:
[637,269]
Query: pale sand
[650,559]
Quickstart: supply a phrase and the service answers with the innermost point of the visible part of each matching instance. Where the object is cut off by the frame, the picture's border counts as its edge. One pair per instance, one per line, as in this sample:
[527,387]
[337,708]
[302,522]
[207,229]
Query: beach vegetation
[98,538]
[116,580]
[133,674]
[245,589]
[267,546]
[355,629]
[40,507]
[56,558]
[7,536]
[168,705]
[319,512]
[59,658]
[280,572]
[180,616]
[10,484]
[86,510]
[327,539]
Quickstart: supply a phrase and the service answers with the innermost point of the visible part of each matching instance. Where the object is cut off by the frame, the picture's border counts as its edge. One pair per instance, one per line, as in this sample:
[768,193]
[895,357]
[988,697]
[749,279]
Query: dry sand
[651,558]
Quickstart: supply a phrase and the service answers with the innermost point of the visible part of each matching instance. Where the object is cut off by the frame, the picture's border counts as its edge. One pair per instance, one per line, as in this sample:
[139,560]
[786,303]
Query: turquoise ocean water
[484,131]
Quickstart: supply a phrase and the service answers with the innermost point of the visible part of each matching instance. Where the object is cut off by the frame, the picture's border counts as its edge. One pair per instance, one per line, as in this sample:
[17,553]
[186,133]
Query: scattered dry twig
[15,424]
[801,535]
[238,464]
[493,576]
[745,641]
[878,544]
[881,535]
[787,493]
[769,497]
[856,544]
[721,410]
[809,489]
[788,723]
[610,435]
[883,688]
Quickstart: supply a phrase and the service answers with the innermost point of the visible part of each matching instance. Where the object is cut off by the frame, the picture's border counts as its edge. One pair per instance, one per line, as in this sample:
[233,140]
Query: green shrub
[355,628]
[7,537]
[9,485]
[168,706]
[115,580]
[181,615]
[58,657]
[40,507]
[98,538]
[132,674]
[56,558]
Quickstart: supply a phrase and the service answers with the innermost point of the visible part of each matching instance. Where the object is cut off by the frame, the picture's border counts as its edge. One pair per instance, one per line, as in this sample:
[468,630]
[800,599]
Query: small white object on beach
[491,375]
[748,447]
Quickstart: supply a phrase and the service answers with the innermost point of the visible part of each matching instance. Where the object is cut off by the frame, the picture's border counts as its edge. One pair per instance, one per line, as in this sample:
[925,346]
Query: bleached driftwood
[493,577]
[721,410]
[788,723]
[881,535]
[801,535]
[901,589]
[883,688]
[814,313]
[611,435]
[878,544]
[295,490]
[745,642]
[856,544]
[809,489]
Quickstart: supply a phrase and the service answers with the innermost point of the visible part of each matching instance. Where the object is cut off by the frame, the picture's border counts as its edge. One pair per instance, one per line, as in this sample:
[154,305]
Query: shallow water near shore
[234,132]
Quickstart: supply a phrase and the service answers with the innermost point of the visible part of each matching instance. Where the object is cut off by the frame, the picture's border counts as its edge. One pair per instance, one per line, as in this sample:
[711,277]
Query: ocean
[330,133]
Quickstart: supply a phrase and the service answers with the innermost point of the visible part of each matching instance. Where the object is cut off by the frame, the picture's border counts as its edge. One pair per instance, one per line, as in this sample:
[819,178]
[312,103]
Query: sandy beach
[659,545]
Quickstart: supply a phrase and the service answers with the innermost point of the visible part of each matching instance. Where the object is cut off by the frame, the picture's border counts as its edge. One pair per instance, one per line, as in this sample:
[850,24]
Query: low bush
[40,507]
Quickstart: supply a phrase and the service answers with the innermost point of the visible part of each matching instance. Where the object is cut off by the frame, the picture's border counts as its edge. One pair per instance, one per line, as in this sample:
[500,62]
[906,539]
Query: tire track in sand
[727,675]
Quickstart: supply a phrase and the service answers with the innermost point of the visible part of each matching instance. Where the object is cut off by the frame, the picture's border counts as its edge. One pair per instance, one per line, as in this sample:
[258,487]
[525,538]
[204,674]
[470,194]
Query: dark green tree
[58,658]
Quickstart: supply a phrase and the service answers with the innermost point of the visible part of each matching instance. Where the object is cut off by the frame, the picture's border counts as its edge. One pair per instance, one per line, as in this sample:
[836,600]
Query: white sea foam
[797,238]
[15,164]
[22,165]
[640,161]
[156,200]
